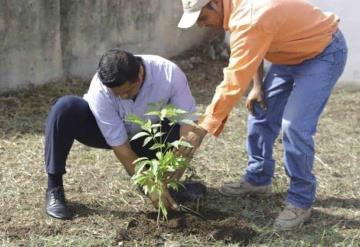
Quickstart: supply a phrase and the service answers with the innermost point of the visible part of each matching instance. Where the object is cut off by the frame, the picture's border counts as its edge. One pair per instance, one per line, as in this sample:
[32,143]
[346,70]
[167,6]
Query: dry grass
[104,199]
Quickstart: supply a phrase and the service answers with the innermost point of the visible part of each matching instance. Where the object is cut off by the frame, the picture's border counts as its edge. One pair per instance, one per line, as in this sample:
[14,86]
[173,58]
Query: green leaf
[185,144]
[155,125]
[163,114]
[146,189]
[153,106]
[147,140]
[155,167]
[163,209]
[172,113]
[169,155]
[173,185]
[159,155]
[171,169]
[181,185]
[135,119]
[139,135]
[140,159]
[152,189]
[152,113]
[159,134]
[156,146]
[140,166]
[176,111]
[147,126]
[175,144]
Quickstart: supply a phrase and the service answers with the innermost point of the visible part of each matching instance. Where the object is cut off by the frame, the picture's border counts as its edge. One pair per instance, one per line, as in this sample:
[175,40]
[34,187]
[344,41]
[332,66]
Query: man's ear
[216,5]
[216,1]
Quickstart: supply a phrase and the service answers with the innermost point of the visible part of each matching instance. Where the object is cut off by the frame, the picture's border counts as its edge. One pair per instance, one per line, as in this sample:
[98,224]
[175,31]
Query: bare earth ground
[109,211]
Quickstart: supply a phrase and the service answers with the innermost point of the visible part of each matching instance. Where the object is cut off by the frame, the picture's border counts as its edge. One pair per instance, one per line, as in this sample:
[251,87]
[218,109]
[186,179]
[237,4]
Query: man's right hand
[168,201]
[194,138]
[256,95]
[174,176]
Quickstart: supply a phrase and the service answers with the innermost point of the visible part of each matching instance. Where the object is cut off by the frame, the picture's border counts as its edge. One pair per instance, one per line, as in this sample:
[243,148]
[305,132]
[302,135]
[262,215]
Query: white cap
[192,9]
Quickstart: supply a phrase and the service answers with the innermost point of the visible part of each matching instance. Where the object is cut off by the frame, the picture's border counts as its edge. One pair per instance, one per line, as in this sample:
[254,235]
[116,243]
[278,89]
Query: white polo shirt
[164,82]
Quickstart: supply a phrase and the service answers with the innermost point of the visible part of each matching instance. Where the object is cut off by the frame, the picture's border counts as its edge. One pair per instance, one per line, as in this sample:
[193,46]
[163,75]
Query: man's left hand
[166,198]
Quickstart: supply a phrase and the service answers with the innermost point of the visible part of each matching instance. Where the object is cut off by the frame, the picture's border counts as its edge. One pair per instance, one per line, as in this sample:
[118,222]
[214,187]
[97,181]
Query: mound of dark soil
[217,227]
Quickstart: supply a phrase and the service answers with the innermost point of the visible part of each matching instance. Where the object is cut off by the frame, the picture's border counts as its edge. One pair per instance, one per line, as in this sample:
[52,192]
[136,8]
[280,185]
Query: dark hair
[117,66]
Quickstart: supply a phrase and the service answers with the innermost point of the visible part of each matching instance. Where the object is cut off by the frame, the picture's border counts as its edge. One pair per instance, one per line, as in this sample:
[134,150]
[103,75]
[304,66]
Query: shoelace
[296,211]
[58,195]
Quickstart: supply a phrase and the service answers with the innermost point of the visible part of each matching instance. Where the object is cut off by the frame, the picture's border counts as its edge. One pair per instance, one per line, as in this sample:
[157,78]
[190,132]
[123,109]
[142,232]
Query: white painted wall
[348,11]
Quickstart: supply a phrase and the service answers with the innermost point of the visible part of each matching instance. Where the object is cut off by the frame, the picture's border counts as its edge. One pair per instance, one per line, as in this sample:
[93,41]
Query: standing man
[308,54]
[124,84]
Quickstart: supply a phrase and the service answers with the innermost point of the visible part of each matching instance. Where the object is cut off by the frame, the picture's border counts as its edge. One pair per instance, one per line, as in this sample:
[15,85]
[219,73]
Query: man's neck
[226,9]
[142,80]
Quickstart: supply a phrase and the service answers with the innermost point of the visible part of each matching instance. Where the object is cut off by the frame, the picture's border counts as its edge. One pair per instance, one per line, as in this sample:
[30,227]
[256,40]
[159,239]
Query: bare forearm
[126,156]
[259,75]
[185,129]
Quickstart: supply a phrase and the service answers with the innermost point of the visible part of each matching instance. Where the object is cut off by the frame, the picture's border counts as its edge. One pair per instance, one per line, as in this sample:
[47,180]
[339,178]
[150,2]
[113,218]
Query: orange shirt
[281,31]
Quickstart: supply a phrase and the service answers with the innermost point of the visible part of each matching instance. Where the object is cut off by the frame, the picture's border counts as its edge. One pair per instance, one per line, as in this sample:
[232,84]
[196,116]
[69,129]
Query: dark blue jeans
[71,119]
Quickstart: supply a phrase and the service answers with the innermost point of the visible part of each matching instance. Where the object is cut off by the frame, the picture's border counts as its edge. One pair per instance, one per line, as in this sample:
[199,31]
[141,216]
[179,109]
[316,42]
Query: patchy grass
[105,201]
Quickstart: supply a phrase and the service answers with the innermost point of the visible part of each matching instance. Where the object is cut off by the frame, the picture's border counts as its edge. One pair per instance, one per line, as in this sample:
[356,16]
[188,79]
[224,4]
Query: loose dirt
[217,226]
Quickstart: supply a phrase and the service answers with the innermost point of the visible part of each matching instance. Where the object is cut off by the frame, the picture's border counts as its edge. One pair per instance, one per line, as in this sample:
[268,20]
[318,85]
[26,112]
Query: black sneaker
[55,203]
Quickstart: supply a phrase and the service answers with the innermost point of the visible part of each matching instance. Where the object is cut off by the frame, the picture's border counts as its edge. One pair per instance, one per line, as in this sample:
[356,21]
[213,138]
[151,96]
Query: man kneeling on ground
[124,84]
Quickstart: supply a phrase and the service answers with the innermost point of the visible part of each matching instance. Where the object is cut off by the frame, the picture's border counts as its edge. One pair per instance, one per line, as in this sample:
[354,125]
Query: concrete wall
[30,42]
[348,11]
[48,40]
[140,26]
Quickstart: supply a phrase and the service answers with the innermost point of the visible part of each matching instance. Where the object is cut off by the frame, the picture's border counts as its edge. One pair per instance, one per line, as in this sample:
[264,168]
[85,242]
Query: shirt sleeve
[248,47]
[108,118]
[181,96]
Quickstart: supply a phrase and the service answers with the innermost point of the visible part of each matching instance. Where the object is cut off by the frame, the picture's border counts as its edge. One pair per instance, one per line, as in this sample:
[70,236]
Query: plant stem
[159,210]
[166,147]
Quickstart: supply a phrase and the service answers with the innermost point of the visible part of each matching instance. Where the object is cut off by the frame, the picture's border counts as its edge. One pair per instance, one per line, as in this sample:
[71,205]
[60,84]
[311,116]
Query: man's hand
[169,202]
[256,95]
[195,138]
[174,176]
[126,156]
